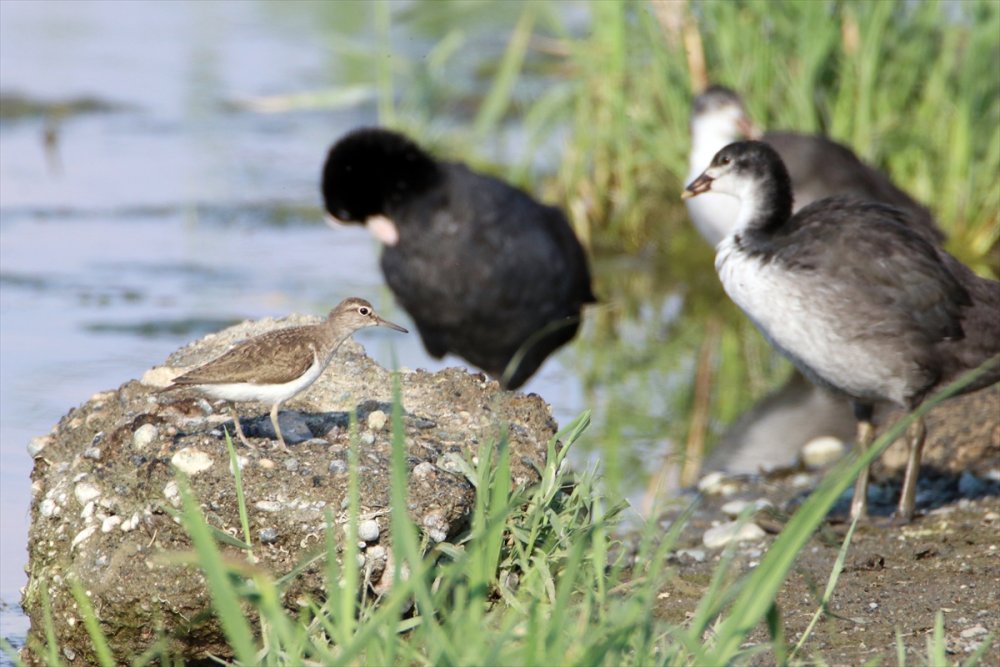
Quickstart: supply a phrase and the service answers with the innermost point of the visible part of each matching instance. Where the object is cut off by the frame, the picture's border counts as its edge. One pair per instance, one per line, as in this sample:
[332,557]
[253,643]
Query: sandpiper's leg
[239,429]
[908,497]
[277,428]
[866,433]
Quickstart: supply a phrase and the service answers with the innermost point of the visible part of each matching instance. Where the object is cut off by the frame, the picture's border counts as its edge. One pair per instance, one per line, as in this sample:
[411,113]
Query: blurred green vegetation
[587,105]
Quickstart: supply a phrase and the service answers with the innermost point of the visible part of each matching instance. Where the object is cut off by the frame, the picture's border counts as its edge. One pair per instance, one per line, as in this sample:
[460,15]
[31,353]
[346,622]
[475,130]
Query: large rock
[106,474]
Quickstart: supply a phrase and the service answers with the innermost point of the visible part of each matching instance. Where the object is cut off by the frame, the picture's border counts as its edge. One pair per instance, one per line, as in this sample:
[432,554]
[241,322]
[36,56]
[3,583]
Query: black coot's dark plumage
[859,301]
[818,166]
[484,270]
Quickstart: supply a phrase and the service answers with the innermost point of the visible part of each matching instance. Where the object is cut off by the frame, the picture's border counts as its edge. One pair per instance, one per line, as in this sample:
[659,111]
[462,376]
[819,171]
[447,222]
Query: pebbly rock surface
[104,480]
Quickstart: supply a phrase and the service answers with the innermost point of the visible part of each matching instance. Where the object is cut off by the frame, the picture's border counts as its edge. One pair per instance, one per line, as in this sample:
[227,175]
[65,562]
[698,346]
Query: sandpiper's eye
[365,310]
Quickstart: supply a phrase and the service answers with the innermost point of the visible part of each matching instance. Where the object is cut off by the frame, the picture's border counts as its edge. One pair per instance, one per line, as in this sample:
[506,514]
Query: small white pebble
[83,535]
[368,531]
[108,524]
[732,531]
[377,420]
[269,505]
[711,483]
[736,507]
[436,526]
[85,492]
[131,523]
[697,555]
[172,493]
[802,480]
[974,631]
[144,436]
[423,469]
[191,461]
[822,451]
[37,444]
[48,508]
[873,605]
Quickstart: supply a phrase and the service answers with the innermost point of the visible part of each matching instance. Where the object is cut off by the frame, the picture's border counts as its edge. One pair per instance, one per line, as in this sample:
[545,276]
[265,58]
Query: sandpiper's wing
[272,358]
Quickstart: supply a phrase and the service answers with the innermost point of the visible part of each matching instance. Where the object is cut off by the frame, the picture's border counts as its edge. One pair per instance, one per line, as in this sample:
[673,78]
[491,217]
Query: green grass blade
[499,96]
[51,643]
[225,601]
[93,626]
[241,501]
[937,648]
[11,653]
[831,584]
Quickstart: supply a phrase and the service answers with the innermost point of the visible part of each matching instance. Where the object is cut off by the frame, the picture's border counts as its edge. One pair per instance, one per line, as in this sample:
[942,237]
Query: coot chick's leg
[277,429]
[908,497]
[866,432]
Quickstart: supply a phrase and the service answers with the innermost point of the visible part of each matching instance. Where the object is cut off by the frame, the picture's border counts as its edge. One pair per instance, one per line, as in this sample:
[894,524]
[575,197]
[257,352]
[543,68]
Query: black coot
[484,270]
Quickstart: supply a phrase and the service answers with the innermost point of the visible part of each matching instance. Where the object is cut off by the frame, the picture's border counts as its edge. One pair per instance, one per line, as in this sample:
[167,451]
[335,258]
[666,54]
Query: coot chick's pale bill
[485,271]
[274,367]
[818,167]
[859,301]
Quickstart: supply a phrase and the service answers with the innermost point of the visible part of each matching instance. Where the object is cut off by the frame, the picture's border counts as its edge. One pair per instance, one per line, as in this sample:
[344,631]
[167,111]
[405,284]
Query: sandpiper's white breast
[273,393]
[808,319]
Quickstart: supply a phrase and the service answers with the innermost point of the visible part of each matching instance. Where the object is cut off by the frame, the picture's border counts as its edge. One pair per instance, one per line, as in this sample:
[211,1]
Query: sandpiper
[484,270]
[273,367]
[859,301]
[818,166]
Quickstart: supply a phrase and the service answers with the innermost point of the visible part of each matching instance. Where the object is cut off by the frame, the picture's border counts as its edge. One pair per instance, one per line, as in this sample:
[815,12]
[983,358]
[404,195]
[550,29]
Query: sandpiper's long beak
[698,186]
[389,325]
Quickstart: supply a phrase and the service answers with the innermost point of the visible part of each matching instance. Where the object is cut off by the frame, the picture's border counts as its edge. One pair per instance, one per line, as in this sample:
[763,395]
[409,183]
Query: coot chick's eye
[724,159]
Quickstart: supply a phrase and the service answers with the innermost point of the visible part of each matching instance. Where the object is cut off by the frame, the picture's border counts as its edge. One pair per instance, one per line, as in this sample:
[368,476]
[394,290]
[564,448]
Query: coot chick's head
[718,115]
[371,170]
[742,169]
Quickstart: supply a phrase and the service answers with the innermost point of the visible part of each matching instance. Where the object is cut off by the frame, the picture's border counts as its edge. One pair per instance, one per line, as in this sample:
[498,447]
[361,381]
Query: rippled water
[142,228]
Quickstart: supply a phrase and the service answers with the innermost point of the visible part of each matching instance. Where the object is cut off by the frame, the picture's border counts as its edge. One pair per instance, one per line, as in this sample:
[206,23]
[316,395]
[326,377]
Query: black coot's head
[370,170]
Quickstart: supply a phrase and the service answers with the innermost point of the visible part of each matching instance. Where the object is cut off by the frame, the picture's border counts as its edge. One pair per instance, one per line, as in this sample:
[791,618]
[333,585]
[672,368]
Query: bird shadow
[299,426]
[936,488]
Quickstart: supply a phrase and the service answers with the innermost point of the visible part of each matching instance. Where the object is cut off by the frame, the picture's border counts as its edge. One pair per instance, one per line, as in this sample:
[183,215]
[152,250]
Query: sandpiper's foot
[277,429]
[239,431]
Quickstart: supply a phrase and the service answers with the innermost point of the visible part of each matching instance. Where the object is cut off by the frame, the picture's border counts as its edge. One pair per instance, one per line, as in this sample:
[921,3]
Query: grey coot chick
[819,167]
[846,289]
[484,270]
[275,366]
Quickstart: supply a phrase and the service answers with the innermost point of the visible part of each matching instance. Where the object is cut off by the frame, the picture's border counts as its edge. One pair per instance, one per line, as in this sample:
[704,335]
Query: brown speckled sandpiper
[274,367]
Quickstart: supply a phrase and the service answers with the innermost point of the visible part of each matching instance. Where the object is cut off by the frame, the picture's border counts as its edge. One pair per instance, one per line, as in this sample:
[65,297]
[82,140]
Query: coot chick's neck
[762,186]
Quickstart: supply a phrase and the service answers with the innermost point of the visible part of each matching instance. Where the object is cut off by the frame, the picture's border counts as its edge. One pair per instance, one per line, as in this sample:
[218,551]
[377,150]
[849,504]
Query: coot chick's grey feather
[851,293]
[484,270]
[818,166]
